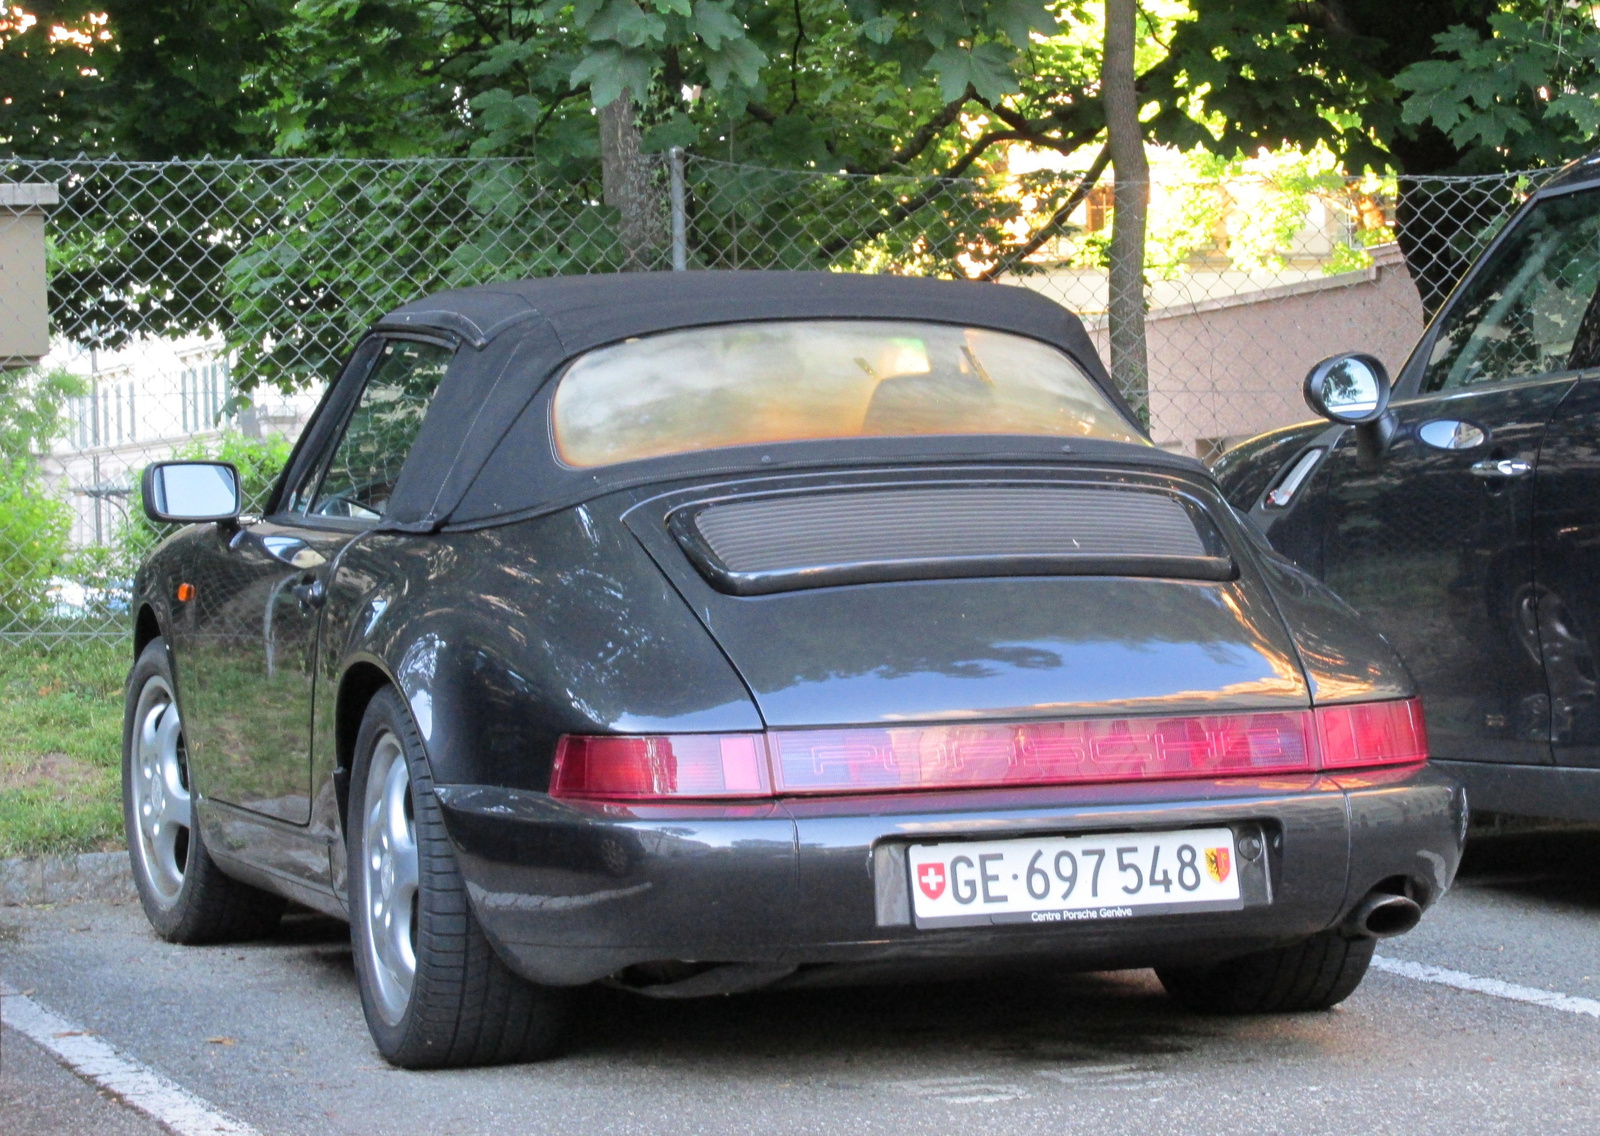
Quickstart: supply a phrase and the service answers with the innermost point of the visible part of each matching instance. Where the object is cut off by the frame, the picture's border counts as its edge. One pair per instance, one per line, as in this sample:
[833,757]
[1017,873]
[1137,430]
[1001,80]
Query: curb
[57,879]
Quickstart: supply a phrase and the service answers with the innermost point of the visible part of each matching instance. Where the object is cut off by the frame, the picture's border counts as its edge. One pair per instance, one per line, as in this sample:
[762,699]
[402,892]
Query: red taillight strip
[977,755]
[680,767]
[1372,733]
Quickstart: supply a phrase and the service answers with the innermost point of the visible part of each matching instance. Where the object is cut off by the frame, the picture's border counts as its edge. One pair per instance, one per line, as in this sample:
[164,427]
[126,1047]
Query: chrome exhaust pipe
[1382,915]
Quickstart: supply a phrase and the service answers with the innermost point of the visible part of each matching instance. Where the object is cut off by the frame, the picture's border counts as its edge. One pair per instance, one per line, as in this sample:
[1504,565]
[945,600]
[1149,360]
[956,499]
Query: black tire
[1315,974]
[464,1005]
[207,906]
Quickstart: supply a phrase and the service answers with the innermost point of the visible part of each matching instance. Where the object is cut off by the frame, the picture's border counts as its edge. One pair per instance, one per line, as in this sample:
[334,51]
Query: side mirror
[1353,390]
[190,491]
[1348,389]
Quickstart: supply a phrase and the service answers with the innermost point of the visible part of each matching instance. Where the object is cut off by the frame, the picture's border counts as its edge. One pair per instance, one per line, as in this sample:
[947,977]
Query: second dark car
[1460,510]
[702,632]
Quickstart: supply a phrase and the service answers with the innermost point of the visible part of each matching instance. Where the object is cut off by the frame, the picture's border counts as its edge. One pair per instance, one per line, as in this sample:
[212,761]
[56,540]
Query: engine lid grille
[758,545]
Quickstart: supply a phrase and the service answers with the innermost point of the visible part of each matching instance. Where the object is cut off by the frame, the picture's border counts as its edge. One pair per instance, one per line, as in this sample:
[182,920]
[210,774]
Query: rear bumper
[570,893]
[1563,792]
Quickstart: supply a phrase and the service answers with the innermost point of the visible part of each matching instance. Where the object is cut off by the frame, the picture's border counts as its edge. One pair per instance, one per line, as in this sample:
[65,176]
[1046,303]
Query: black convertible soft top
[484,451]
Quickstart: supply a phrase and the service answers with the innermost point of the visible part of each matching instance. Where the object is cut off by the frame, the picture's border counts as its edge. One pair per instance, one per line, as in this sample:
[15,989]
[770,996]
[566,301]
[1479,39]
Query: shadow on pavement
[303,928]
[1546,865]
[1115,1017]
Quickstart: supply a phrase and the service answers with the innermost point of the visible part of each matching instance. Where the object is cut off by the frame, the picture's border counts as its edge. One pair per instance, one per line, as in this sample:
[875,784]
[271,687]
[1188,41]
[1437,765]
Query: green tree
[33,405]
[34,525]
[1425,88]
[142,79]
[883,87]
[861,87]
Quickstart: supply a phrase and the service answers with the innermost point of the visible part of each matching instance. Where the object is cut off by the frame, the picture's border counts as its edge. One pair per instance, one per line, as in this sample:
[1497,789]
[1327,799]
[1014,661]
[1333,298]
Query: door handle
[1502,467]
[310,592]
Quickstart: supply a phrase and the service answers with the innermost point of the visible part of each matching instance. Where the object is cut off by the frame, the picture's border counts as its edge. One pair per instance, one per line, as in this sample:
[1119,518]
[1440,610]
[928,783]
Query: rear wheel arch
[357,687]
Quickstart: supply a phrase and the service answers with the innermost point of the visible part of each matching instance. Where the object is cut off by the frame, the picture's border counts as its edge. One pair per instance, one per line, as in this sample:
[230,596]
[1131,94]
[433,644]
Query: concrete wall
[1231,366]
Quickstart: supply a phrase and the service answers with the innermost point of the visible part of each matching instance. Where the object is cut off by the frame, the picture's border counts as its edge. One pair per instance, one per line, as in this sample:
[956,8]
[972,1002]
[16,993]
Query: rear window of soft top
[805,380]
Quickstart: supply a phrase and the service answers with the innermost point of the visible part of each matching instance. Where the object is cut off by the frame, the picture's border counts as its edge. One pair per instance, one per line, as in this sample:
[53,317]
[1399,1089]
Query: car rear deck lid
[762,544]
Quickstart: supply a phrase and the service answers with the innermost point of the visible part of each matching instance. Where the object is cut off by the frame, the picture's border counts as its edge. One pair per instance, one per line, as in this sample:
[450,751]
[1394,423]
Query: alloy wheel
[389,864]
[162,807]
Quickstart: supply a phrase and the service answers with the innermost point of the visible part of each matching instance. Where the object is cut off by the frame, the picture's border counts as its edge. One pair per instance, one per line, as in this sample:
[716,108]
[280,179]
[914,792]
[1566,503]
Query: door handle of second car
[310,592]
[1502,467]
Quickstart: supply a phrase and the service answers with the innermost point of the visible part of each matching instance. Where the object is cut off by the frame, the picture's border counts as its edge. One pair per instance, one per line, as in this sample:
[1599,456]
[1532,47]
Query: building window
[204,392]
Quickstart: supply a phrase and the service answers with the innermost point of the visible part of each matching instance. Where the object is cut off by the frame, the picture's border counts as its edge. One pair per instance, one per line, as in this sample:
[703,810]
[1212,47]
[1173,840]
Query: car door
[1562,609]
[246,667]
[1434,540]
[252,649]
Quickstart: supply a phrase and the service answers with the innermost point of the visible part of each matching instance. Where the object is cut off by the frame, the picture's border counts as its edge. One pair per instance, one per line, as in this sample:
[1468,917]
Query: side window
[366,463]
[1521,316]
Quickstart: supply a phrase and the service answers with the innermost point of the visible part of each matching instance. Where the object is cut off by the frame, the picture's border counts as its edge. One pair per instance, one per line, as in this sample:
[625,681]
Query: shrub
[34,527]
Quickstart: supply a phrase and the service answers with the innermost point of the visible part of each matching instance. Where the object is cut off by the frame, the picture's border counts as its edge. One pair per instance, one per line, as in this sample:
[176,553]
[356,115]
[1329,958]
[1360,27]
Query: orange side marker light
[185,593]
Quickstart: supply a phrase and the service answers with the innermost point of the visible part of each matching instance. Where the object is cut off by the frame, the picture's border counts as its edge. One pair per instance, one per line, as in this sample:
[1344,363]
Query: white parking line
[1493,987]
[92,1059]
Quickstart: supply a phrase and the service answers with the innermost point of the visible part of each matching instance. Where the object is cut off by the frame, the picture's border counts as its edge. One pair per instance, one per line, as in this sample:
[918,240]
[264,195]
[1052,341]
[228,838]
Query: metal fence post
[680,235]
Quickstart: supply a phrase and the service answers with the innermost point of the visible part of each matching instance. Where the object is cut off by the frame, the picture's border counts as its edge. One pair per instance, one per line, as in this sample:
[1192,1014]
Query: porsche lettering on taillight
[986,755]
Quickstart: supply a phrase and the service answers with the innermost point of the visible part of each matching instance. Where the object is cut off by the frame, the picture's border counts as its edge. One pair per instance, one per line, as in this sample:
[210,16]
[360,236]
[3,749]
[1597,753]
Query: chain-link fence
[198,307]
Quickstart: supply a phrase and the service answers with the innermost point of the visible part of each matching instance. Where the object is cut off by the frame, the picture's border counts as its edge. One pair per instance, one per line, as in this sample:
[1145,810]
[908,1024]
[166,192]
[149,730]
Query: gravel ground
[271,1033]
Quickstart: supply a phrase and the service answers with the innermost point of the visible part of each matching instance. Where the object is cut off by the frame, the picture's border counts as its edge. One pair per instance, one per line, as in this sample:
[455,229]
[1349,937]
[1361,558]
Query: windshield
[1522,314]
[755,383]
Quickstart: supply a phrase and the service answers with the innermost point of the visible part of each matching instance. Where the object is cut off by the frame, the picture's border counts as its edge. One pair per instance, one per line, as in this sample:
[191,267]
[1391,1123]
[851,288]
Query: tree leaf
[986,67]
[584,10]
[626,23]
[715,23]
[608,69]
[679,130]
[1582,108]
[1019,17]
[739,59]
[880,29]
[503,56]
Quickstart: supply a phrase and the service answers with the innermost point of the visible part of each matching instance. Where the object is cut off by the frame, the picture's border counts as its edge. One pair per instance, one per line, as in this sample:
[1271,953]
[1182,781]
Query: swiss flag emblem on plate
[930,878]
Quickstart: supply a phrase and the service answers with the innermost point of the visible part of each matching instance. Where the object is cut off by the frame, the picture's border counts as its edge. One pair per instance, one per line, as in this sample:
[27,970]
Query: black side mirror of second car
[1353,390]
[190,491]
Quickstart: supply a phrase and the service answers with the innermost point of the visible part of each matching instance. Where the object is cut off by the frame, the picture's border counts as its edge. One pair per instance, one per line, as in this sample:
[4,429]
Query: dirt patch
[49,770]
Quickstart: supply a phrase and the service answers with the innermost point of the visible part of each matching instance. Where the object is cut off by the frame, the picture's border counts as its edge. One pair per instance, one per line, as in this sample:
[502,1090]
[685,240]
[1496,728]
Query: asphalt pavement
[271,1034]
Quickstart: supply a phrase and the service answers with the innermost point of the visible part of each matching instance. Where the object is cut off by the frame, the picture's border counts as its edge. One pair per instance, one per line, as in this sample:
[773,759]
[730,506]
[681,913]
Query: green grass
[61,747]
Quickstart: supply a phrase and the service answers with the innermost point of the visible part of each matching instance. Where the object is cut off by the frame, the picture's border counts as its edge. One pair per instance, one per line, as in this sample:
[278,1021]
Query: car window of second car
[1521,316]
[364,467]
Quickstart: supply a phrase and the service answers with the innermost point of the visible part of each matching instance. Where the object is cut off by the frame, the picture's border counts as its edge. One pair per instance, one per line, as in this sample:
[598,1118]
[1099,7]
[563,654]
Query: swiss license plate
[1068,879]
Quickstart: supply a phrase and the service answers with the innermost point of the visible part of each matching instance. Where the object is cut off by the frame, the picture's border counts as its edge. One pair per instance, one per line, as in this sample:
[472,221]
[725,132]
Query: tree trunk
[628,185]
[1131,198]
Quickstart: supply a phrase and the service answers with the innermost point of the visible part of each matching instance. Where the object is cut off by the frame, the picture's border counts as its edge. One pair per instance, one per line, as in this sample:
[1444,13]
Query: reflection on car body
[688,632]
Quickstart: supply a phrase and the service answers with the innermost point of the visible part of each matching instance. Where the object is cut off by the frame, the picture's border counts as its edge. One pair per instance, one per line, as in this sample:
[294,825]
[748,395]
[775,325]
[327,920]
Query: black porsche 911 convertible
[701,632]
